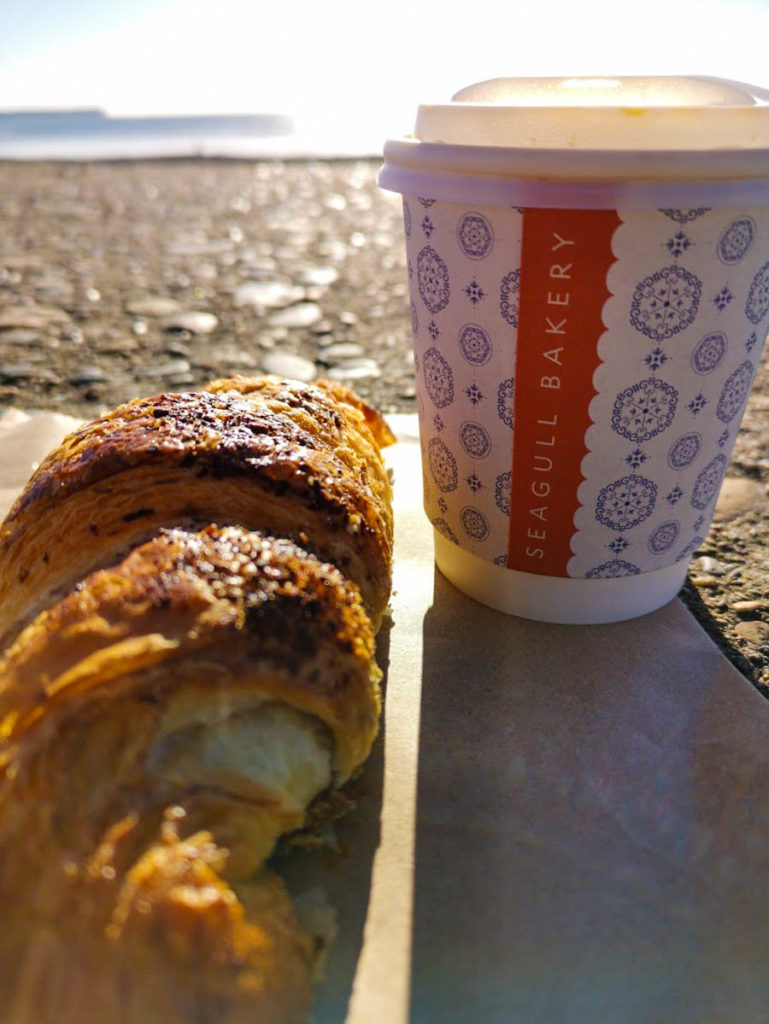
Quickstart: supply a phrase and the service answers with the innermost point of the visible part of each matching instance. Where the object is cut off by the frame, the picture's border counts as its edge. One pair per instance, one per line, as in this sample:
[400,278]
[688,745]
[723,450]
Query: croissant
[167,717]
[300,461]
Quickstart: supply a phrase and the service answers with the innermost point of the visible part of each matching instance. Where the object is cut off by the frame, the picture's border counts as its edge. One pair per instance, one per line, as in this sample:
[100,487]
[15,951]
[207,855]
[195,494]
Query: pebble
[303,314]
[340,350]
[195,322]
[33,317]
[754,632]
[117,346]
[355,369]
[320,276]
[20,336]
[711,565]
[89,375]
[739,495]
[289,364]
[178,350]
[12,372]
[153,306]
[231,357]
[269,294]
[323,328]
[171,368]
[748,606]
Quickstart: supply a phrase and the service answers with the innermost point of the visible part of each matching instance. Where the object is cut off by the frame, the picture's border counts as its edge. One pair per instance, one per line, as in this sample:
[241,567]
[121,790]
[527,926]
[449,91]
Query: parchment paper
[558,824]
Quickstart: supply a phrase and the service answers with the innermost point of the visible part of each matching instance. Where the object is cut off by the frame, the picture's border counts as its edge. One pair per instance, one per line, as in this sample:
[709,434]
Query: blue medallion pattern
[475,236]
[664,537]
[708,482]
[644,410]
[709,352]
[438,377]
[734,243]
[443,465]
[684,451]
[665,302]
[474,523]
[734,392]
[433,279]
[475,345]
[757,305]
[474,439]
[626,502]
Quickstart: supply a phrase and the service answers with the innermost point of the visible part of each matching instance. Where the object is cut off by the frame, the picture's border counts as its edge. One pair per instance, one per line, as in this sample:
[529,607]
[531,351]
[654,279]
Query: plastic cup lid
[618,114]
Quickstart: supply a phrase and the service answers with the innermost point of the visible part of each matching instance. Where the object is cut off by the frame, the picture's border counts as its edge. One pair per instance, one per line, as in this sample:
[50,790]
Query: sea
[91,134]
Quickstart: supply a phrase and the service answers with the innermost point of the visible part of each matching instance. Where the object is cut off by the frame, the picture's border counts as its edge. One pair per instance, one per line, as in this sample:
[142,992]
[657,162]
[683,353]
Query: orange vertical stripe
[565,258]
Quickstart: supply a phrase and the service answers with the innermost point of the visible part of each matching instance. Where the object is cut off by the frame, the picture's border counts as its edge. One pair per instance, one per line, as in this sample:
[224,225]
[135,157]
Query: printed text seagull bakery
[565,257]
[543,464]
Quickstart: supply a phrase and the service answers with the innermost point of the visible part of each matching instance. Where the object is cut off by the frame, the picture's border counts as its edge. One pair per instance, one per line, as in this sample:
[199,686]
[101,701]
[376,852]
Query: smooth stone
[355,369]
[711,565]
[323,328]
[303,314]
[178,350]
[233,358]
[739,495]
[340,350]
[89,375]
[320,276]
[153,306]
[754,632]
[748,606]
[20,336]
[172,368]
[12,372]
[33,317]
[115,346]
[269,294]
[195,322]
[289,364]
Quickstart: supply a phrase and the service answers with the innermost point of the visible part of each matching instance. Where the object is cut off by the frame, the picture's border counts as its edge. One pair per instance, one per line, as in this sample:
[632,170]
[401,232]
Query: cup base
[557,599]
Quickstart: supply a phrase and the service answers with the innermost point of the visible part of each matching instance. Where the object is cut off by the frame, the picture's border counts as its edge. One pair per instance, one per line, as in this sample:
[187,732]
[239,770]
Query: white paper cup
[589,302]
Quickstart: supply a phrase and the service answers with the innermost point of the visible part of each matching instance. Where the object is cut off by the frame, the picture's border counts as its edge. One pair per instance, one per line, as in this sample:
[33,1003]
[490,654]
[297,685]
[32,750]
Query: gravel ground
[120,279]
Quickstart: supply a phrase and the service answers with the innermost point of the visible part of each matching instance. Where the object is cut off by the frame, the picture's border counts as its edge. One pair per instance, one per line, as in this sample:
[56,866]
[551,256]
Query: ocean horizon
[90,134]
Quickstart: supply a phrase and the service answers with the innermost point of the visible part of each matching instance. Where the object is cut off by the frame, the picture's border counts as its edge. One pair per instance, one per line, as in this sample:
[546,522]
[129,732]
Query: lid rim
[564,162]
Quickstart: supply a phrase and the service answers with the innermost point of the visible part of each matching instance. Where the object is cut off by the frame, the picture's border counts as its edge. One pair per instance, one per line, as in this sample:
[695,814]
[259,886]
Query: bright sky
[352,58]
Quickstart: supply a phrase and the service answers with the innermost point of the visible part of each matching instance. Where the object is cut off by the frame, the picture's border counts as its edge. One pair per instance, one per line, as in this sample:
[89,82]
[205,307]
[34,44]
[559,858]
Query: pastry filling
[269,752]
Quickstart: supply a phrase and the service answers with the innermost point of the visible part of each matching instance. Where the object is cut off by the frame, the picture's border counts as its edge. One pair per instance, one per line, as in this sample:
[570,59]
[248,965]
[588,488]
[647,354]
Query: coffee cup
[588,267]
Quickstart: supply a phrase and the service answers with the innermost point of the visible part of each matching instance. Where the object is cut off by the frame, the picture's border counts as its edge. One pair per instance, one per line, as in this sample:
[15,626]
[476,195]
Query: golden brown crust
[129,927]
[265,615]
[294,460]
[99,911]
